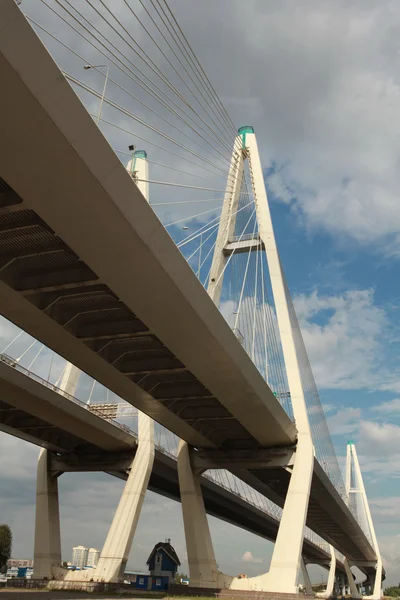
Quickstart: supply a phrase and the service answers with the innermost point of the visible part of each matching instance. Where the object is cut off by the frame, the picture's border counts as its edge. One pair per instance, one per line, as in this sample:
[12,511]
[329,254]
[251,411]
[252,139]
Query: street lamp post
[87,67]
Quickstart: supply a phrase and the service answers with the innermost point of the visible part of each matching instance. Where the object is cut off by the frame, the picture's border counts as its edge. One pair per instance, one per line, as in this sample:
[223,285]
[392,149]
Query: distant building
[79,556]
[93,557]
[163,564]
[19,562]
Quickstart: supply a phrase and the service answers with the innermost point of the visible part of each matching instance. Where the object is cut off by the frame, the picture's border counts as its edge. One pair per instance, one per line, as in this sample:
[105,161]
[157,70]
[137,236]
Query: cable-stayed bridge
[89,269]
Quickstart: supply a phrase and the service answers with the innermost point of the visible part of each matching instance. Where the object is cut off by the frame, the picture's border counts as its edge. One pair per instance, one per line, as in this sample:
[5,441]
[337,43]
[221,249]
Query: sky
[320,83]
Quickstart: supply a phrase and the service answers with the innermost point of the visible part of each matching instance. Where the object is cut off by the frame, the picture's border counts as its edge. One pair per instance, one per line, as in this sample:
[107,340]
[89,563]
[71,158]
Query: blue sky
[321,85]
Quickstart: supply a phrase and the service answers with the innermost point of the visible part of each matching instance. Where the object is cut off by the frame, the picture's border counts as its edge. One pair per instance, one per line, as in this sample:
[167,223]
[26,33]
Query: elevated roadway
[87,268]
[83,441]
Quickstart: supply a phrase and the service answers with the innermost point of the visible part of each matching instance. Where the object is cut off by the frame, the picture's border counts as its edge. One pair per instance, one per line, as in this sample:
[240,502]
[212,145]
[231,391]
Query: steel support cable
[277,359]
[258,350]
[278,353]
[96,116]
[254,308]
[321,432]
[36,356]
[231,255]
[243,286]
[189,238]
[199,68]
[160,74]
[221,132]
[91,392]
[12,341]
[262,323]
[153,162]
[185,202]
[180,62]
[142,103]
[137,119]
[182,185]
[174,36]
[158,71]
[154,94]
[191,217]
[51,366]
[133,76]
[318,424]
[205,260]
[200,247]
[264,316]
[26,351]
[155,144]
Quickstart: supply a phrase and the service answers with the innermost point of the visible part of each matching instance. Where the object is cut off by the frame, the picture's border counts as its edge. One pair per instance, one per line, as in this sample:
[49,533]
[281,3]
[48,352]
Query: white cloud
[379,439]
[344,421]
[342,334]
[393,406]
[385,508]
[249,558]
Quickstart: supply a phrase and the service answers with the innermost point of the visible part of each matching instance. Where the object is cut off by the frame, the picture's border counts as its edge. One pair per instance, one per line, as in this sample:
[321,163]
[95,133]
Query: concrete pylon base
[330,587]
[306,578]
[350,579]
[47,550]
[115,553]
[201,558]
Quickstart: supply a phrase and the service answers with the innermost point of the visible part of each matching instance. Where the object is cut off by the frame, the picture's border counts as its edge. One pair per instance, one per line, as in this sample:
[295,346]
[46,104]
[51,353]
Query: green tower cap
[246,129]
[140,154]
[350,443]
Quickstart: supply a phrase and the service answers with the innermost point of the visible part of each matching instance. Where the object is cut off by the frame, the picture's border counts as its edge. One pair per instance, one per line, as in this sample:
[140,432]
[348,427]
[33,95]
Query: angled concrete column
[377,589]
[202,565]
[332,574]
[350,579]
[115,553]
[330,586]
[306,578]
[70,378]
[47,551]
[285,562]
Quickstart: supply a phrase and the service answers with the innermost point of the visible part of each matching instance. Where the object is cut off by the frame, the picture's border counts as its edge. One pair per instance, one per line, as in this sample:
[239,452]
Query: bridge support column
[350,579]
[377,583]
[306,578]
[115,553]
[202,564]
[330,586]
[47,550]
[284,569]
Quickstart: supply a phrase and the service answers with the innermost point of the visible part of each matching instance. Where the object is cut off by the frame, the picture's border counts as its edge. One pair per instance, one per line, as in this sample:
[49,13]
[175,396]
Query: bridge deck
[42,416]
[87,268]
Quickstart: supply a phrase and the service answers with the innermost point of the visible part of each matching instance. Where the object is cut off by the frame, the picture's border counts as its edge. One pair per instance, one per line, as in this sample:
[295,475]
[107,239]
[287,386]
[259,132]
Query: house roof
[168,549]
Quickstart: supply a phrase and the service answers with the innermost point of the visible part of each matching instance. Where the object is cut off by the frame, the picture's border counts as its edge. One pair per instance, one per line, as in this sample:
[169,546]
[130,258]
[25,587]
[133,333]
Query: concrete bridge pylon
[285,564]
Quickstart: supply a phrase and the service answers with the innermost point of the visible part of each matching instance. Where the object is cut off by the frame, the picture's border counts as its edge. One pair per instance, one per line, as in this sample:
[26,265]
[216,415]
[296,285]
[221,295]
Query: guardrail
[11,362]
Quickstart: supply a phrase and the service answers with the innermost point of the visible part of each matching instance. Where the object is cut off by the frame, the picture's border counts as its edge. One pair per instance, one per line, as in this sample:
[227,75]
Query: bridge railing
[11,362]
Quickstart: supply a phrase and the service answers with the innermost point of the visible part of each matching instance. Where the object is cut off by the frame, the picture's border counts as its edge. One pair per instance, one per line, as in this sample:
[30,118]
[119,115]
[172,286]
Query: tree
[180,576]
[393,591]
[5,545]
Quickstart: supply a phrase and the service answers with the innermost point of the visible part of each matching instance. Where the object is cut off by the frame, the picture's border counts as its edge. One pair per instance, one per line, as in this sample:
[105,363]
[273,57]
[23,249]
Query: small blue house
[163,564]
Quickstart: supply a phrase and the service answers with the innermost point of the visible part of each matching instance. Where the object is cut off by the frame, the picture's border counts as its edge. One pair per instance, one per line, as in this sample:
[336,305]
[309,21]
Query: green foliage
[179,576]
[393,591]
[5,544]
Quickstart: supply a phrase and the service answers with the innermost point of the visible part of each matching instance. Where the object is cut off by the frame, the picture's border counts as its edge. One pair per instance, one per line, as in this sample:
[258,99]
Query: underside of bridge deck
[87,268]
